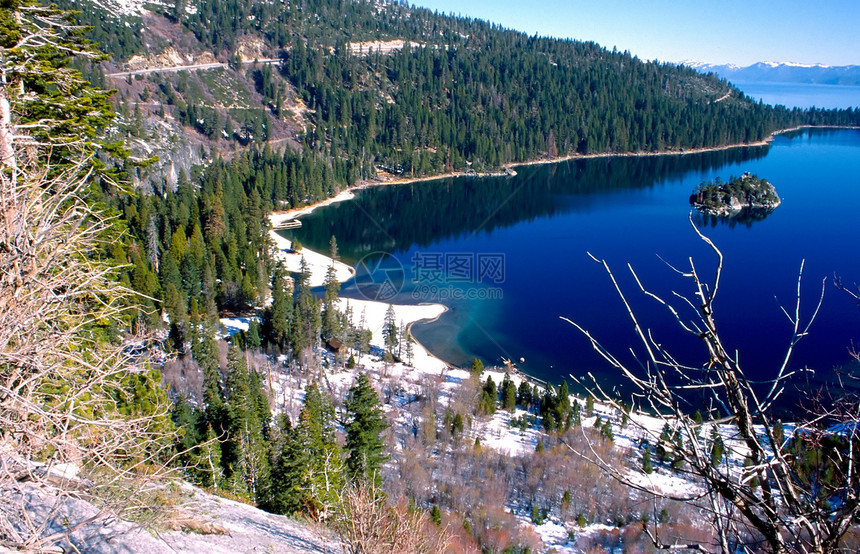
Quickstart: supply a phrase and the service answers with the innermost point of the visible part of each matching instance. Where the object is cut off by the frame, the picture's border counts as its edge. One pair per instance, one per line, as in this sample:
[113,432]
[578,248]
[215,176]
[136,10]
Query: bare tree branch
[771,499]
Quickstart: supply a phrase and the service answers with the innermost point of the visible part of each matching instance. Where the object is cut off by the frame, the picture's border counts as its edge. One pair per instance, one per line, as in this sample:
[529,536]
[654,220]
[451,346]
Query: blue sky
[727,31]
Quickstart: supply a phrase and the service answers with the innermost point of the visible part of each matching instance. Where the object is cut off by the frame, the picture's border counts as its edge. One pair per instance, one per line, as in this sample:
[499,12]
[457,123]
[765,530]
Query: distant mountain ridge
[787,72]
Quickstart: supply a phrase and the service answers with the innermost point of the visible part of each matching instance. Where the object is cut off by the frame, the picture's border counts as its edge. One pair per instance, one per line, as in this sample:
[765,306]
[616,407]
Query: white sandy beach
[374,311]
[317,263]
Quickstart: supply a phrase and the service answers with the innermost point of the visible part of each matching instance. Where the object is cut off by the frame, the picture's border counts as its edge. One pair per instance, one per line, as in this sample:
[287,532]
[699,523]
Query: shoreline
[405,315]
[279,217]
[348,193]
[318,263]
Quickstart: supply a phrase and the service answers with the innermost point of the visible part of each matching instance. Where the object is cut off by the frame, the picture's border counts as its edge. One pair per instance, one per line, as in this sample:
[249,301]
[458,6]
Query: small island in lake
[740,195]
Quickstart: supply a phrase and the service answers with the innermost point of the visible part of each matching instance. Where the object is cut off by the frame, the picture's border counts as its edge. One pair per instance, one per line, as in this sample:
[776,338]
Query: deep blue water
[626,210]
[803,95]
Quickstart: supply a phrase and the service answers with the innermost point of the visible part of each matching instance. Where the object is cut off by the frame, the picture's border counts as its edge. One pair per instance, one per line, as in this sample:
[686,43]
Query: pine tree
[205,461]
[549,423]
[524,395]
[646,459]
[717,447]
[606,431]
[489,398]
[410,348]
[252,335]
[246,450]
[330,315]
[663,443]
[778,433]
[307,322]
[365,424]
[509,394]
[457,425]
[678,442]
[309,472]
[477,367]
[562,407]
[62,112]
[402,332]
[389,330]
[576,414]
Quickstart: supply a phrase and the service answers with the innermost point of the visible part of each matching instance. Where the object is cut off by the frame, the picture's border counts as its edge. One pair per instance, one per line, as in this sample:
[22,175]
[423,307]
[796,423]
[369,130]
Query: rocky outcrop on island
[739,195]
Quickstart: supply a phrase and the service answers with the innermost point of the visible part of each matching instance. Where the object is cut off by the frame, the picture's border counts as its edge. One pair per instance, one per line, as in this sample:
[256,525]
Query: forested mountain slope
[276,105]
[256,106]
[459,93]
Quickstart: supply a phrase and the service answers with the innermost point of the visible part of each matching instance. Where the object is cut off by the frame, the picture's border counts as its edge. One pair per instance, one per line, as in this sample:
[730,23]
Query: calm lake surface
[802,95]
[542,223]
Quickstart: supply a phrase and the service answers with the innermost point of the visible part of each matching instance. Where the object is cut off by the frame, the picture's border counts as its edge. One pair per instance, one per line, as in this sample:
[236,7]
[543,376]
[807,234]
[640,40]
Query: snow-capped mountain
[783,72]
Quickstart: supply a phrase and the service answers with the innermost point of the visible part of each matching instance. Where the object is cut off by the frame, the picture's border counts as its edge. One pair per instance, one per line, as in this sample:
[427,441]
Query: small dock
[289,224]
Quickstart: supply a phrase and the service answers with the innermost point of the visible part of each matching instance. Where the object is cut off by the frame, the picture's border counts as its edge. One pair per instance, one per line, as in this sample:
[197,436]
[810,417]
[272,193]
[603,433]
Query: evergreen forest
[458,95]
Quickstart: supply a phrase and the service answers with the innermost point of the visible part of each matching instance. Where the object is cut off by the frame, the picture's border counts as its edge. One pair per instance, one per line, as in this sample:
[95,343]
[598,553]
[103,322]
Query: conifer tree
[717,447]
[309,472]
[563,403]
[663,445]
[410,348]
[365,424]
[252,335]
[606,431]
[331,317]
[646,459]
[247,451]
[477,367]
[205,461]
[524,395]
[778,433]
[62,112]
[489,397]
[509,394]
[389,330]
[307,321]
[278,316]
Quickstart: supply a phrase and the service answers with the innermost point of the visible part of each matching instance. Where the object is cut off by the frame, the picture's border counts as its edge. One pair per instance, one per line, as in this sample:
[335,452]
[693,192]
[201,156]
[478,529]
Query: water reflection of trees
[419,214]
[745,217]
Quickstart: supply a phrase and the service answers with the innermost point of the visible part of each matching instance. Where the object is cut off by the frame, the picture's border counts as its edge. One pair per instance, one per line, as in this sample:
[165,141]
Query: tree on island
[732,198]
[798,493]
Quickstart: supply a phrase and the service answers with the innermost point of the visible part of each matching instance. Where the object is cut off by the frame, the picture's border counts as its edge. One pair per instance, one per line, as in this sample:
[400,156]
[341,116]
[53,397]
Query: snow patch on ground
[123,7]
[233,325]
[554,535]
[318,264]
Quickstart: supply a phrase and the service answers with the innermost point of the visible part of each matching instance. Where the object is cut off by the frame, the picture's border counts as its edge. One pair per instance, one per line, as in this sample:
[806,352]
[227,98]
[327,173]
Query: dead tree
[366,524]
[769,502]
[72,421]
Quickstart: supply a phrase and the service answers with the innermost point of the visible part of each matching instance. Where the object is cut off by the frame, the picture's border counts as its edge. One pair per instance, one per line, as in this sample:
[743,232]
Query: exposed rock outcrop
[740,194]
[195,521]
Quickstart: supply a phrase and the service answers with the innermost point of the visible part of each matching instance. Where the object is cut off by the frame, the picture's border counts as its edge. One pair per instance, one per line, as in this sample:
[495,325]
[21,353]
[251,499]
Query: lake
[509,255]
[802,95]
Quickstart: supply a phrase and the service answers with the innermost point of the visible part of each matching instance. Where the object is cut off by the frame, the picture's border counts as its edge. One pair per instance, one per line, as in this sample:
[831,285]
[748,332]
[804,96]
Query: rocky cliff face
[186,105]
[196,522]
